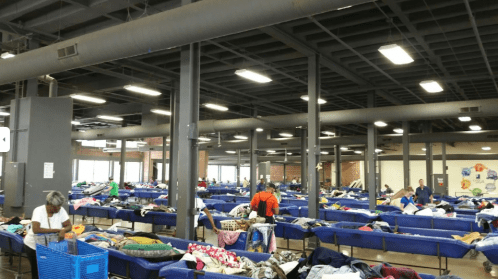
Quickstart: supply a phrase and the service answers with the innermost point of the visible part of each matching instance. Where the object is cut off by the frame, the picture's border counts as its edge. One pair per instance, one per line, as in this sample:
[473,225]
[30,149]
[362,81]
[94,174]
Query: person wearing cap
[266,204]
[113,188]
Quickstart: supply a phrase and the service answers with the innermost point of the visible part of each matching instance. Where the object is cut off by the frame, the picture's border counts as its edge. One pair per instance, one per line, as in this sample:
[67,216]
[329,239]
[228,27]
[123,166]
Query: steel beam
[406,154]
[188,134]
[253,149]
[370,155]
[338,166]
[304,161]
[165,160]
[313,135]
[122,163]
[238,168]
[429,159]
[443,159]
[173,144]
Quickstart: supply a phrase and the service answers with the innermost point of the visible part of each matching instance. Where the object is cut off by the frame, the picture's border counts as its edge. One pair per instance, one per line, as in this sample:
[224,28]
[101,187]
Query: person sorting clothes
[423,194]
[113,188]
[48,218]
[266,204]
[407,199]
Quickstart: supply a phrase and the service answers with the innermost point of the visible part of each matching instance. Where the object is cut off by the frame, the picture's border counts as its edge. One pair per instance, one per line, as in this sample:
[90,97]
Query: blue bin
[240,244]
[82,210]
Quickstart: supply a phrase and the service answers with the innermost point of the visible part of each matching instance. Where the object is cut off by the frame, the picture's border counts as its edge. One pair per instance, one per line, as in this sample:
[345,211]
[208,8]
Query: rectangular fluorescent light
[75,123]
[88,99]
[398,131]
[378,150]
[141,142]
[4,113]
[343,8]
[380,124]
[230,152]
[475,127]
[240,137]
[142,90]
[324,153]
[396,54]
[424,149]
[328,133]
[344,148]
[259,130]
[357,152]
[161,111]
[464,118]
[82,131]
[431,86]
[7,55]
[271,151]
[289,153]
[203,139]
[108,117]
[486,148]
[252,76]
[111,143]
[307,98]
[216,107]
[286,135]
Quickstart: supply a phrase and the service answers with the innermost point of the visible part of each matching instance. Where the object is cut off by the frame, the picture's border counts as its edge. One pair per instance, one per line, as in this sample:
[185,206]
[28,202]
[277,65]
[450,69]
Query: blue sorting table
[220,190]
[2,199]
[352,189]
[224,198]
[227,207]
[466,223]
[347,216]
[491,253]
[12,245]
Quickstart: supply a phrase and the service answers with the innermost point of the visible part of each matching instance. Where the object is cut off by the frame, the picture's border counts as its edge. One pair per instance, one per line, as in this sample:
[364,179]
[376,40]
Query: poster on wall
[472,176]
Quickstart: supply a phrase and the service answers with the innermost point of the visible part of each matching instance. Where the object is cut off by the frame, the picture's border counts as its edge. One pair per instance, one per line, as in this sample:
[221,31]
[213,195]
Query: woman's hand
[215,230]
[62,234]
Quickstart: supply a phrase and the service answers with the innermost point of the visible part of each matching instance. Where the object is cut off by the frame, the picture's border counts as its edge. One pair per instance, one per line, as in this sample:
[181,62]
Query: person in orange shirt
[266,204]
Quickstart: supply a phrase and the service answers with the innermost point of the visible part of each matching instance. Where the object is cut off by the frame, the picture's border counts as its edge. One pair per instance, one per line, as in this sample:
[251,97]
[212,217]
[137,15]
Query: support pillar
[443,158]
[238,168]
[304,161]
[313,135]
[406,154]
[122,163]
[370,154]
[338,166]
[253,141]
[188,149]
[429,160]
[365,168]
[165,142]
[173,144]
[285,173]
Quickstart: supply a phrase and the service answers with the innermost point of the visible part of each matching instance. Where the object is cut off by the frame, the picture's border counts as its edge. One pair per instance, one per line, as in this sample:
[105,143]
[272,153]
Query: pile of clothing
[307,223]
[85,201]
[377,226]
[242,210]
[488,240]
[155,208]
[469,238]
[15,225]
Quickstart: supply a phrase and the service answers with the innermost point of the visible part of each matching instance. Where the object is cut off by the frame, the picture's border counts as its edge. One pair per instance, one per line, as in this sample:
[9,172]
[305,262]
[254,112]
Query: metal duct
[200,21]
[484,108]
[53,85]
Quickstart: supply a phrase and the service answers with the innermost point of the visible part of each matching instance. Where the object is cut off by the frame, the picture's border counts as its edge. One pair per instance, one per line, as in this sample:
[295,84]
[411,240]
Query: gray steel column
[338,166]
[285,173]
[370,154]
[188,149]
[365,167]
[379,171]
[253,157]
[429,160]
[313,135]
[122,162]
[165,142]
[173,144]
[238,168]
[443,158]
[406,154]
[304,161]
[76,168]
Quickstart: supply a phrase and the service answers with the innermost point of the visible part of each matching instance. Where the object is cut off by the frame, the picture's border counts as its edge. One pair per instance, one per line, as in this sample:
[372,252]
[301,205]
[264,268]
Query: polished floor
[466,268]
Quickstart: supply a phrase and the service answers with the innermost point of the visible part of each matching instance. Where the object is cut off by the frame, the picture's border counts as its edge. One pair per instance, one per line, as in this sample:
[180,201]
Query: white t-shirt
[199,205]
[40,215]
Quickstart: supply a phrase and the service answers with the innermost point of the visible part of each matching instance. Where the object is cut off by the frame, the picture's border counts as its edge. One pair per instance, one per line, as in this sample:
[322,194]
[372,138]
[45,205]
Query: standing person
[388,189]
[48,218]
[202,183]
[201,208]
[245,183]
[113,188]
[266,204]
[423,194]
[294,180]
[261,186]
[154,182]
[407,199]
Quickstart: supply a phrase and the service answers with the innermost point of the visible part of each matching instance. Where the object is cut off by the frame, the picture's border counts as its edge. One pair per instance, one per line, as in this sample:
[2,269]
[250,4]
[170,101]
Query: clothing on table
[227,238]
[84,201]
[423,195]
[14,228]
[468,238]
[114,189]
[405,201]
[399,272]
[40,215]
[318,271]
[155,183]
[269,198]
[202,184]
[225,257]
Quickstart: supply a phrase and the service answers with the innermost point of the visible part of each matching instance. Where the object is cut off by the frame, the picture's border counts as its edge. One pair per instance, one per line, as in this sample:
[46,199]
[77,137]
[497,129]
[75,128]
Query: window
[228,173]
[160,171]
[1,165]
[213,172]
[93,171]
[245,172]
[133,171]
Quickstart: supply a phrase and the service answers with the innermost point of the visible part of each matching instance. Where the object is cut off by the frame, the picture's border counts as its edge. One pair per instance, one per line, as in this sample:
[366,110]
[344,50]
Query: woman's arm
[210,217]
[37,229]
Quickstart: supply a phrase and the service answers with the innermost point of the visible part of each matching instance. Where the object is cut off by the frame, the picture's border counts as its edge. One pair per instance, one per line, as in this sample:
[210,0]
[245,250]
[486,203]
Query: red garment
[495,223]
[200,264]
[399,272]
[365,228]
[202,184]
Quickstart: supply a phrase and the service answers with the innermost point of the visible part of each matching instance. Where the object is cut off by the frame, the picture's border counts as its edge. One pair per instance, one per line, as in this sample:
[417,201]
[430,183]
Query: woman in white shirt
[49,218]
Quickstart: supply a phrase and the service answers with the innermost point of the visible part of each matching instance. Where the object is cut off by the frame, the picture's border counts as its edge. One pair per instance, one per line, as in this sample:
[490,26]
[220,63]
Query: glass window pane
[228,173]
[132,172]
[117,171]
[245,172]
[101,171]
[85,172]
[213,172]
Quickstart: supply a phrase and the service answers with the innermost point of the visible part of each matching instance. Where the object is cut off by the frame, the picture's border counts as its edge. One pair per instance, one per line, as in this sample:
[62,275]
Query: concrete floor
[466,268]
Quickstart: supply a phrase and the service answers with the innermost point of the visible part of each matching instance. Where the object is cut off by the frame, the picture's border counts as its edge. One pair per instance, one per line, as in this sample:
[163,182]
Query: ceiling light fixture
[161,111]
[464,118]
[142,90]
[475,127]
[324,153]
[75,123]
[307,98]
[259,130]
[380,124]
[230,152]
[344,148]
[4,113]
[328,133]
[88,99]
[431,86]
[271,151]
[108,117]
[398,131]
[289,153]
[396,54]
[343,8]
[486,148]
[7,55]
[253,76]
[240,137]
[378,150]
[216,107]
[424,149]
[358,152]
[203,139]
[286,135]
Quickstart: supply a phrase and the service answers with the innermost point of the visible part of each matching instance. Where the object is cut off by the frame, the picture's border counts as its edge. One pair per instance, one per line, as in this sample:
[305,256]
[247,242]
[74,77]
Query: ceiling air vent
[470,109]
[67,51]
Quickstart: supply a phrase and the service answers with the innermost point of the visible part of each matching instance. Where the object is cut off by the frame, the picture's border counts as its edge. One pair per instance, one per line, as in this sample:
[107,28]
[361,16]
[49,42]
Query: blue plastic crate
[91,263]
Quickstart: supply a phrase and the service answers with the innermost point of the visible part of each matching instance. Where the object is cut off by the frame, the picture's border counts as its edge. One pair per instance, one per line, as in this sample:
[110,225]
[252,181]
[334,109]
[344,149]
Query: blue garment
[423,195]
[261,187]
[406,201]
[155,183]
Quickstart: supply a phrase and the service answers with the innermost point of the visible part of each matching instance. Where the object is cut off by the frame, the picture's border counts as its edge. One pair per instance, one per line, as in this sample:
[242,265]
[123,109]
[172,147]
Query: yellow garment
[324,200]
[145,240]
[468,238]
[78,229]
[379,202]
[336,206]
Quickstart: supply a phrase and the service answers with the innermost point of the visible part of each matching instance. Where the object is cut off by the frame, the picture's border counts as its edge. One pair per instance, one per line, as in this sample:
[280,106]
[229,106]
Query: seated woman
[407,199]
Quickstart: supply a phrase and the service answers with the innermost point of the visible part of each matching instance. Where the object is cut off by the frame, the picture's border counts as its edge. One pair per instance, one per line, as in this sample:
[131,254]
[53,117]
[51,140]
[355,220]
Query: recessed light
[324,153]
[203,139]
[464,118]
[108,117]
[4,113]
[358,152]
[286,135]
[487,148]
[475,127]
[431,86]
[142,90]
[88,99]
[380,124]
[307,98]
[344,148]
[216,107]
[161,111]
[378,150]
[271,151]
[253,76]
[398,131]
[259,130]
[328,133]
[240,137]
[396,54]
[424,149]
[230,152]
[7,55]
[75,123]
[289,153]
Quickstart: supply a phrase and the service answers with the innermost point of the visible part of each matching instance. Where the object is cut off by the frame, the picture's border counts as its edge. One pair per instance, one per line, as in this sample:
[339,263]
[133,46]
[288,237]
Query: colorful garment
[223,256]
[399,272]
[145,240]
[227,238]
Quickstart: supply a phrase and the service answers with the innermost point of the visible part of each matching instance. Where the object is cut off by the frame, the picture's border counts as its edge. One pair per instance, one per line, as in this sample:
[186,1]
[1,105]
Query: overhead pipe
[53,86]
[196,22]
[485,108]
